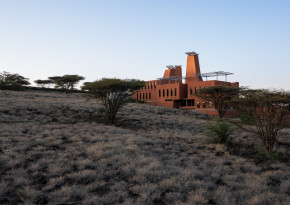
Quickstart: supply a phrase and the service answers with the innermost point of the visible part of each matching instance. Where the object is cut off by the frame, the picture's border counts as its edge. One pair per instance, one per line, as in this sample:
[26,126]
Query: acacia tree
[12,81]
[269,110]
[219,95]
[66,82]
[44,83]
[113,93]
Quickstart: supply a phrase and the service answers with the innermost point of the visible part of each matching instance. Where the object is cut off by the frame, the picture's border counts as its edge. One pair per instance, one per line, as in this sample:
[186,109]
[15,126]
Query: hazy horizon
[137,39]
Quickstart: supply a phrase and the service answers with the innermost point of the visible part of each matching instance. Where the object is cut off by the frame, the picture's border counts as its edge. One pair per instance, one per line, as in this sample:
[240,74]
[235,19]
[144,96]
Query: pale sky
[138,38]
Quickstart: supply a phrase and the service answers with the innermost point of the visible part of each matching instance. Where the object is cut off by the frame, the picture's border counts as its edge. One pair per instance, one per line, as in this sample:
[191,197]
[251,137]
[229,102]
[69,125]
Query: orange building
[172,91]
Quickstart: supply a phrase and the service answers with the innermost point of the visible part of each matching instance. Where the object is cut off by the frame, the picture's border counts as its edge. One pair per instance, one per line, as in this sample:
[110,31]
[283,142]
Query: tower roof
[170,67]
[192,53]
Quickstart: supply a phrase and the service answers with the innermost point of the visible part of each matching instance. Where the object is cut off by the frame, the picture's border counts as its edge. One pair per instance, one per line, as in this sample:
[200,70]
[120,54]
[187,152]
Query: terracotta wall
[173,93]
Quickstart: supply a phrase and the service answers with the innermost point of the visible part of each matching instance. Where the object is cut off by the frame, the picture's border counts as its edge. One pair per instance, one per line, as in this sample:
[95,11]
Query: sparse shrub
[219,132]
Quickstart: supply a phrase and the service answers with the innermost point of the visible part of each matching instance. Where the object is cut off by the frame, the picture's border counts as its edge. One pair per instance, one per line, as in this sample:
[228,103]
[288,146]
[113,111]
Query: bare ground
[54,150]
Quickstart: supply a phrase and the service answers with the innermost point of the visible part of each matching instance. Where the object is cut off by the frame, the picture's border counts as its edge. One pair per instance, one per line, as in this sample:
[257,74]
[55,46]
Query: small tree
[112,93]
[268,111]
[12,81]
[44,83]
[66,82]
[219,95]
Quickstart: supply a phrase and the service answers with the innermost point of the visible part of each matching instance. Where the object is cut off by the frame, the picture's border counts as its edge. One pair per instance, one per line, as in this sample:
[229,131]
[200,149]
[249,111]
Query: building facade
[172,91]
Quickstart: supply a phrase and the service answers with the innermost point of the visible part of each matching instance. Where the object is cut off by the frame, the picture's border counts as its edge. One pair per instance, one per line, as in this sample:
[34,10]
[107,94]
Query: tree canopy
[12,81]
[44,83]
[219,95]
[66,82]
[113,93]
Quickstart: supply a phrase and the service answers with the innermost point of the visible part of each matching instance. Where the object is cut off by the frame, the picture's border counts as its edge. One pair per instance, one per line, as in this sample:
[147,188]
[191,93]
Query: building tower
[192,68]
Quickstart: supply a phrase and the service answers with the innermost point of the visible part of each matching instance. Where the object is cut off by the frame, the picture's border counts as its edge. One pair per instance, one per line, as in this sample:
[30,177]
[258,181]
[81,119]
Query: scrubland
[55,150]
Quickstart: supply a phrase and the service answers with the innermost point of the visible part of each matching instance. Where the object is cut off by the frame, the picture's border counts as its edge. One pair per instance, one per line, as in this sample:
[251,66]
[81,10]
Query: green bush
[265,155]
[246,119]
[101,113]
[219,132]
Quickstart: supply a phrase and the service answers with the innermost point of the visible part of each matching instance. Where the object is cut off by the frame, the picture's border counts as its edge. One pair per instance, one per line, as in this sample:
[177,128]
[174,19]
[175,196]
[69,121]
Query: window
[163,93]
[195,89]
[151,85]
[190,90]
[167,92]
[175,91]
[146,96]
[210,104]
[182,103]
[137,96]
[171,92]
[198,104]
[148,85]
[203,104]
[149,95]
[159,93]
[140,96]
[190,102]
[145,87]
[143,96]
[154,84]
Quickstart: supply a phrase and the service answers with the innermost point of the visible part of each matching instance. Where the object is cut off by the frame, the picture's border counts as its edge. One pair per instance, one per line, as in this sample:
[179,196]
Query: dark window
[148,85]
[137,96]
[175,91]
[167,92]
[146,96]
[171,92]
[198,104]
[149,95]
[163,93]
[190,102]
[182,103]
[151,85]
[203,104]
[143,96]
[154,84]
[190,90]
[195,89]
[159,93]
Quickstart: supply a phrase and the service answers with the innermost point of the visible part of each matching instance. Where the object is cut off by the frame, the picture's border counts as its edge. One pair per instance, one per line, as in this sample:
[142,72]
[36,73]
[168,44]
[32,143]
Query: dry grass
[54,151]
